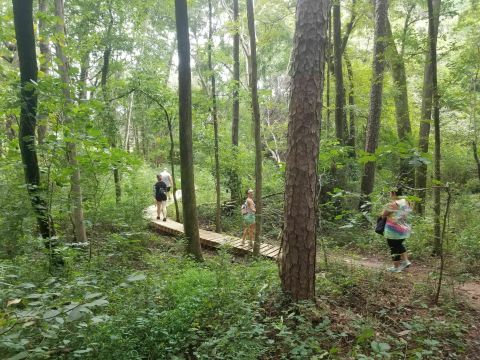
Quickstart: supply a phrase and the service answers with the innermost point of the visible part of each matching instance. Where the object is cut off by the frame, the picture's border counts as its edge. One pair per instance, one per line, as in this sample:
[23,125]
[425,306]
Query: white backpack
[244,209]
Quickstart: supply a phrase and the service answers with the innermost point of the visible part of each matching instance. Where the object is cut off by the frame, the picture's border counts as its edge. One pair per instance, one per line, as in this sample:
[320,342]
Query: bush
[472,186]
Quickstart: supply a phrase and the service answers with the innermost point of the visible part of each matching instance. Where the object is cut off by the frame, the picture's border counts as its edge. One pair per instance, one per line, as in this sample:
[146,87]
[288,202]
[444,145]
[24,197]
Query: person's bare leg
[159,209]
[164,209]
[404,256]
[244,235]
[252,234]
[396,264]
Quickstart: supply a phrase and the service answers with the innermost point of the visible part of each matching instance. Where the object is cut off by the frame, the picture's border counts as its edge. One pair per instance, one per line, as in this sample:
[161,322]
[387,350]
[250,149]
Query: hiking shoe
[164,219]
[404,264]
[158,217]
[394,269]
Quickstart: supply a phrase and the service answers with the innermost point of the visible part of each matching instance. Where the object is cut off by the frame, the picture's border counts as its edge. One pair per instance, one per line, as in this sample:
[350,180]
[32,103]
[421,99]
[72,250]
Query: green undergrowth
[141,298]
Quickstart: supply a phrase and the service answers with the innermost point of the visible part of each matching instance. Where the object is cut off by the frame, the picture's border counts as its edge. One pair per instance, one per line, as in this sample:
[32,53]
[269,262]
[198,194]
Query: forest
[239,179]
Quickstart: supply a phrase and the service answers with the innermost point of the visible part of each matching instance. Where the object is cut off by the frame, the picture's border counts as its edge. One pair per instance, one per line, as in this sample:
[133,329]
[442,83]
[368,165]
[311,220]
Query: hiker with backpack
[167,179]
[397,229]
[160,195]
[248,213]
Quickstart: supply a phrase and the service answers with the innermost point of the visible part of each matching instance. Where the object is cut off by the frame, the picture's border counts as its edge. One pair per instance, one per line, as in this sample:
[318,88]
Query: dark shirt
[160,195]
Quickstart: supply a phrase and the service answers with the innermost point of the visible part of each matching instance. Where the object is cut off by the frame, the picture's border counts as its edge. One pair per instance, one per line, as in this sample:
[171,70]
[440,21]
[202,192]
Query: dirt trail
[470,291]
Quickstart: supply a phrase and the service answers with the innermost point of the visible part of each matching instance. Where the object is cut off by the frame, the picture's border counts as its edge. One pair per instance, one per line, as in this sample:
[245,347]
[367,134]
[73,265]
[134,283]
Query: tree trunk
[75,185]
[475,156]
[235,191]
[376,92]
[23,20]
[351,105]
[190,218]
[44,64]
[402,114]
[236,75]
[256,119]
[329,66]
[111,126]
[82,86]
[129,122]
[426,114]
[218,223]
[340,115]
[300,220]
[437,178]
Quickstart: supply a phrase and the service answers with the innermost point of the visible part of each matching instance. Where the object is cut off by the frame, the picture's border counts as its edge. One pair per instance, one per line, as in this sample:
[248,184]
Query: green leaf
[136,277]
[98,302]
[19,356]
[379,348]
[90,296]
[51,314]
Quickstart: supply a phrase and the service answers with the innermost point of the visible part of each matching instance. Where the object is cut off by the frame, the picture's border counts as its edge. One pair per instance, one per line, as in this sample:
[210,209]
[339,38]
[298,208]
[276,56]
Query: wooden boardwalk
[208,238]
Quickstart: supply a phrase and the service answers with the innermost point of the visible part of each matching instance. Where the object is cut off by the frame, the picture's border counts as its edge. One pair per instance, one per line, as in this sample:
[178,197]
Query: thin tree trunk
[402,113]
[329,66]
[111,126]
[23,21]
[376,92]
[475,156]
[44,64]
[426,116]
[301,190]
[432,34]
[474,121]
[75,185]
[218,223]
[190,217]
[351,105]
[235,192]
[236,75]
[82,86]
[340,115]
[129,122]
[170,60]
[257,122]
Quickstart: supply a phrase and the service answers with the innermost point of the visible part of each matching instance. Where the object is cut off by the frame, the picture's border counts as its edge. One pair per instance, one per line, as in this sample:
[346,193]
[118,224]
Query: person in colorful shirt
[248,212]
[397,229]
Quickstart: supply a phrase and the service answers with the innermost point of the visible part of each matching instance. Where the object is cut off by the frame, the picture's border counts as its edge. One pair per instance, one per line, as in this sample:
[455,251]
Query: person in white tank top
[167,179]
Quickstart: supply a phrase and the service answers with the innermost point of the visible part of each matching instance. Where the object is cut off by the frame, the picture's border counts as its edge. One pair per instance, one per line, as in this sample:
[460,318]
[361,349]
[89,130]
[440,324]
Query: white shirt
[166,177]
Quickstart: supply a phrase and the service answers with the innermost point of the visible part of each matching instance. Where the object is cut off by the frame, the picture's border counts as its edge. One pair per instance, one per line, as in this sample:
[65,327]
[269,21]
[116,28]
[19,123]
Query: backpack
[244,209]
[159,191]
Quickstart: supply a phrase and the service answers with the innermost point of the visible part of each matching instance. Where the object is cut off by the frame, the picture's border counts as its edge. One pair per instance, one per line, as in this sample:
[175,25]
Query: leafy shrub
[472,186]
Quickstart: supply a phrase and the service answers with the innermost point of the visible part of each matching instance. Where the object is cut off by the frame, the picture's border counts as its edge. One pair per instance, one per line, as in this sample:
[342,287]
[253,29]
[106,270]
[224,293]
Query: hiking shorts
[249,218]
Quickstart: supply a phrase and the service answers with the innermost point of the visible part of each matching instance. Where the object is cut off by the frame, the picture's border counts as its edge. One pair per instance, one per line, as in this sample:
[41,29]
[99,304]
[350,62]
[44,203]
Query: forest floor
[469,291]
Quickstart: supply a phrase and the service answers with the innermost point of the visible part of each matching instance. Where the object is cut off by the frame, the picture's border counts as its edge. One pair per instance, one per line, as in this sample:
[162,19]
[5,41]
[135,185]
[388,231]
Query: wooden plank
[209,238]
[273,252]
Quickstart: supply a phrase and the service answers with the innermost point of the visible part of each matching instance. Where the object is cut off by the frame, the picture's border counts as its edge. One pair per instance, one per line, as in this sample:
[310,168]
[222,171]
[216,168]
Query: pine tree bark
[257,122]
[300,220]
[340,114]
[400,97]
[376,92]
[426,114]
[235,192]
[214,113]
[23,22]
[437,178]
[190,217]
